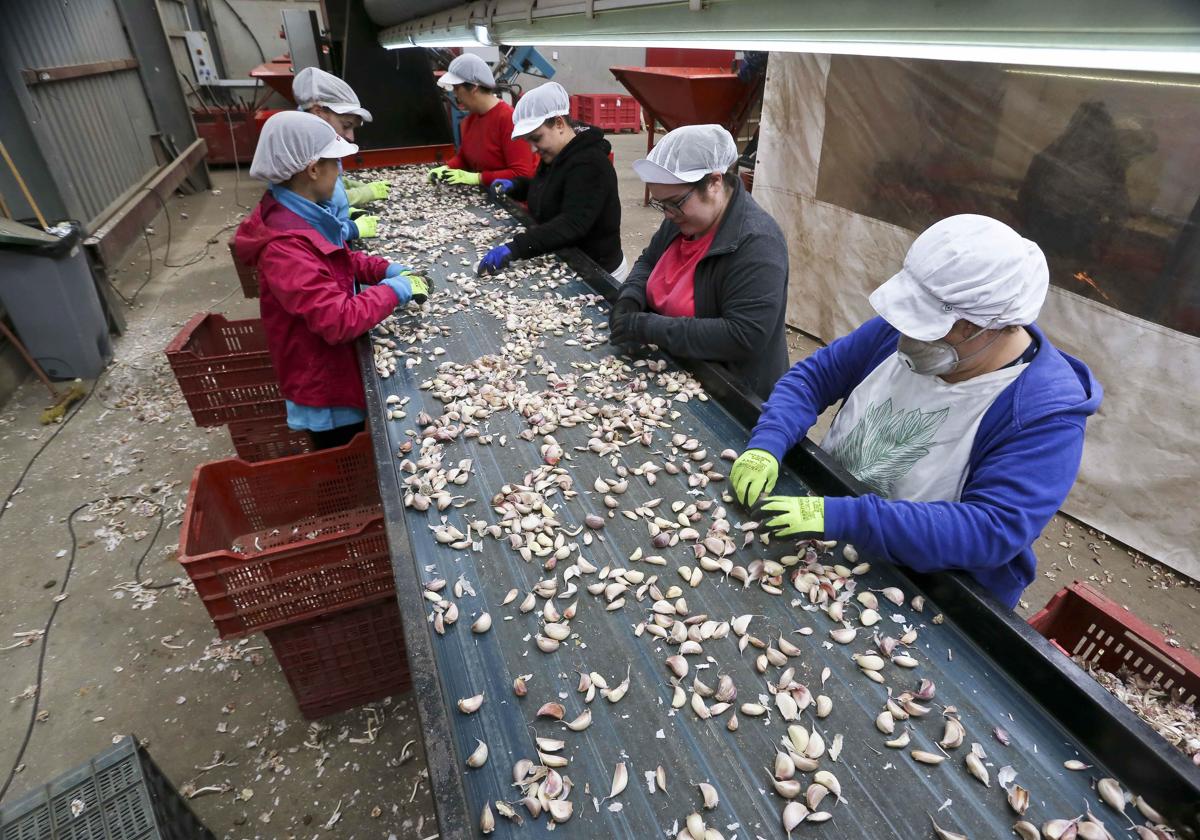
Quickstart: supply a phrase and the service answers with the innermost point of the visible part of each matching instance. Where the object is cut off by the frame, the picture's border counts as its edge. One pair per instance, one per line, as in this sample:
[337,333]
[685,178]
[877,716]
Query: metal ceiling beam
[1091,33]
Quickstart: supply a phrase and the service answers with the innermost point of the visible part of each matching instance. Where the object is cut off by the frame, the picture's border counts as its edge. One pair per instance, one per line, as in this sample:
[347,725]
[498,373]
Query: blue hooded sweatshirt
[1022,465]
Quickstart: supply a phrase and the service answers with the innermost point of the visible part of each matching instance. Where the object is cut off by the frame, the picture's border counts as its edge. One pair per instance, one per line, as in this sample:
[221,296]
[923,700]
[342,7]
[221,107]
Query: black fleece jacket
[574,200]
[740,293]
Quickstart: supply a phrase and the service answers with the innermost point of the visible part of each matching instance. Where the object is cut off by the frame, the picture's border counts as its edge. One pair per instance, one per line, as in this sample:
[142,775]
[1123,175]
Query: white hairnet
[539,105]
[290,141]
[313,86]
[967,267]
[687,154]
[468,69]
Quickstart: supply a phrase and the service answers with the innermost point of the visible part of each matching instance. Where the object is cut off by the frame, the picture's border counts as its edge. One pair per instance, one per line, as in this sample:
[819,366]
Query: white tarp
[1141,463]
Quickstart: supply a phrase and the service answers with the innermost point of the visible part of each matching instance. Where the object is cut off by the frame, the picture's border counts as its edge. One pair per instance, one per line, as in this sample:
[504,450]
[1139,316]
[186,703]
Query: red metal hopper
[675,96]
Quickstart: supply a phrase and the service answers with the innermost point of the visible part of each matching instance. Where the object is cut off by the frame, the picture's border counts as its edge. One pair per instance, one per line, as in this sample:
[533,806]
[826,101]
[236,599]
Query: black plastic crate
[118,795]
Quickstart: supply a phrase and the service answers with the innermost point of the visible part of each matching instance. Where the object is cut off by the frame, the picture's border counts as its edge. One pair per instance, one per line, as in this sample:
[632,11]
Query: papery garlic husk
[1018,799]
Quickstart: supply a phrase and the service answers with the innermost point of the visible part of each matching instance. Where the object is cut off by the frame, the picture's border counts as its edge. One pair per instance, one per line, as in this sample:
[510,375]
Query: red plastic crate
[247,274]
[230,135]
[344,660]
[224,370]
[1080,621]
[267,439]
[610,111]
[308,533]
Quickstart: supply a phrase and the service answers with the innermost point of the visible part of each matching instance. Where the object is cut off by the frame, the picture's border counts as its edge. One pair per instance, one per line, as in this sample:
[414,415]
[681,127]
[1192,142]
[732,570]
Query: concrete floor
[119,659]
[123,659]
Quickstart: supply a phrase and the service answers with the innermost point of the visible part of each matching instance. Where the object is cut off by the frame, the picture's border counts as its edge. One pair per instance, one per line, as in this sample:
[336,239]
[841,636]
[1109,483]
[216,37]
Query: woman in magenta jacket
[306,275]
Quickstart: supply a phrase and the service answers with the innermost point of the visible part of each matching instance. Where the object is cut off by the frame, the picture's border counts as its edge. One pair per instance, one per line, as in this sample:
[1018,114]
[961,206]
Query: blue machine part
[525,60]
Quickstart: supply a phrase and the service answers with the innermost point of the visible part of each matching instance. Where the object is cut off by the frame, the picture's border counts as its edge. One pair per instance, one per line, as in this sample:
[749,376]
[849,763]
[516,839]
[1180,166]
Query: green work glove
[802,517]
[438,173]
[461,176]
[754,473]
[420,286]
[368,226]
[364,193]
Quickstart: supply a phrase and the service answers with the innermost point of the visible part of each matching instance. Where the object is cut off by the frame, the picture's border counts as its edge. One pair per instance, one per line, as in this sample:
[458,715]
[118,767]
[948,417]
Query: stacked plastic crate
[225,373]
[612,112]
[295,547]
[283,540]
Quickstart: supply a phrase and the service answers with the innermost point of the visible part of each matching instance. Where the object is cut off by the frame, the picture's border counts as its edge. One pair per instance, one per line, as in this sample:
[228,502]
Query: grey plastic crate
[124,796]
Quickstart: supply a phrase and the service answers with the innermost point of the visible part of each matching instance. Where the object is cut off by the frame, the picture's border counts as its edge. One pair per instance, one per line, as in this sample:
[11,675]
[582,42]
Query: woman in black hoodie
[572,195]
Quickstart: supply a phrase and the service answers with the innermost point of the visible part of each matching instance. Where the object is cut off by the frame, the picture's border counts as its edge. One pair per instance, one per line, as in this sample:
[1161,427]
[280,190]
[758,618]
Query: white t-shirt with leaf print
[909,436]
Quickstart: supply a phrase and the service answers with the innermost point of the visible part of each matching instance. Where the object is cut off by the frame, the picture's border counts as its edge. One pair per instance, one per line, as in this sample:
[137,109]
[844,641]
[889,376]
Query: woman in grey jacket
[712,284]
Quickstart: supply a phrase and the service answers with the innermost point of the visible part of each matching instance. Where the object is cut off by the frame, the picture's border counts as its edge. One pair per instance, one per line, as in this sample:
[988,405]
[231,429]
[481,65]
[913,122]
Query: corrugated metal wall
[175,22]
[99,127]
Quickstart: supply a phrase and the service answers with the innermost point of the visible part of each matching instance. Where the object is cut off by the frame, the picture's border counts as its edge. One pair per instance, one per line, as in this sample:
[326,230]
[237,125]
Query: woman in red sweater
[486,149]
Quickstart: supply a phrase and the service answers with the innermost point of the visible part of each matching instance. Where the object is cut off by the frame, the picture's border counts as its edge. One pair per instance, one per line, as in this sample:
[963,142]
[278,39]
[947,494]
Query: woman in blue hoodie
[958,411]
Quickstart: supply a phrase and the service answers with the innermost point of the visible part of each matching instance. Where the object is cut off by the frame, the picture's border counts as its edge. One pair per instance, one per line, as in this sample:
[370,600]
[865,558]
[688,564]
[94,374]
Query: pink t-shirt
[671,286]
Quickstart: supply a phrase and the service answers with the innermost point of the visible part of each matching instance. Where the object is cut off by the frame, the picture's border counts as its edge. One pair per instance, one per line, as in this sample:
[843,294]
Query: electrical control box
[201,56]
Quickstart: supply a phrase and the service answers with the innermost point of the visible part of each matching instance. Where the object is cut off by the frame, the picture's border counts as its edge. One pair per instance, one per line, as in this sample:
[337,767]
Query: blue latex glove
[501,185]
[401,285]
[496,260]
[418,286]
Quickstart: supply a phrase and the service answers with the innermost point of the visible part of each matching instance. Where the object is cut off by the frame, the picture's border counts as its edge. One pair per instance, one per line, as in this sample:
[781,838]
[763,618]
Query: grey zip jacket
[740,294]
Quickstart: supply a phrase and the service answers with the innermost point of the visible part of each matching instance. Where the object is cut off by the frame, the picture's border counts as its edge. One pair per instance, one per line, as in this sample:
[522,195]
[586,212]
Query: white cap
[468,69]
[539,105]
[290,141]
[687,154]
[313,86]
[967,267]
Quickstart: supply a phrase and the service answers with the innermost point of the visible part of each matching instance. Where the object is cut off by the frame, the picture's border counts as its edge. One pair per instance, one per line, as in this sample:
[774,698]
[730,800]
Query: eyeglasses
[674,206]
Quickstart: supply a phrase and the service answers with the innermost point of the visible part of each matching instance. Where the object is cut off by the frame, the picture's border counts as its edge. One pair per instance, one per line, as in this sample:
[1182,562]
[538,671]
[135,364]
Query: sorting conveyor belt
[985,662]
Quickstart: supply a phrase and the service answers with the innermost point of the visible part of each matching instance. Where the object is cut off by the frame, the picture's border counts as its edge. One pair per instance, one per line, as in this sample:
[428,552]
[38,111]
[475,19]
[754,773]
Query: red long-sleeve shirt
[487,147]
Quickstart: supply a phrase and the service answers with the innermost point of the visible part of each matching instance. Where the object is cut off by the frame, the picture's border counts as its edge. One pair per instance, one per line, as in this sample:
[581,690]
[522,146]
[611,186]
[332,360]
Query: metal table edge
[445,778]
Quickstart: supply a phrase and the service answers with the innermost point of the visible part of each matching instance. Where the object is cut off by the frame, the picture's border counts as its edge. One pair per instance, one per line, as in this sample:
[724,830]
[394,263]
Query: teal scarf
[320,216]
